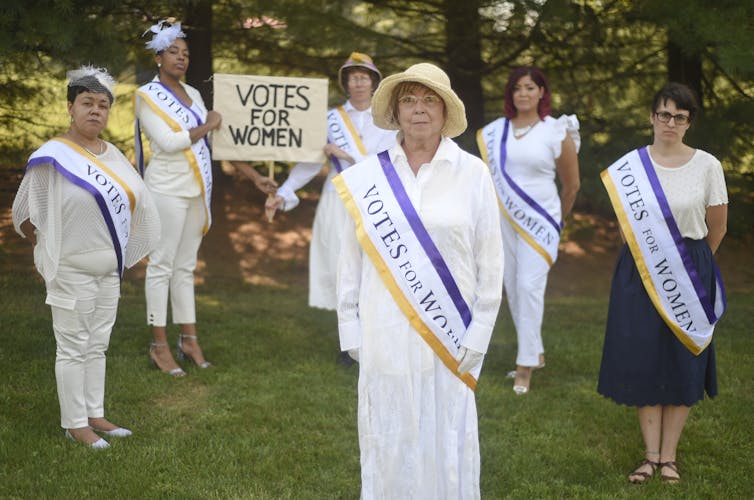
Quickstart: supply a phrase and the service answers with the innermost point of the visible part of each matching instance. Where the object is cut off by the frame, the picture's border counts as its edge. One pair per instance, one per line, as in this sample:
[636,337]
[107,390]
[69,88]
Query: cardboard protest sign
[269,118]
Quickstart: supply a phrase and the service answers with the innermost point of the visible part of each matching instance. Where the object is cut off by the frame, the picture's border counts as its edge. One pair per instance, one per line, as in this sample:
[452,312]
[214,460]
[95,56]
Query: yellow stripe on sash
[96,161]
[536,246]
[352,129]
[389,280]
[641,265]
[190,157]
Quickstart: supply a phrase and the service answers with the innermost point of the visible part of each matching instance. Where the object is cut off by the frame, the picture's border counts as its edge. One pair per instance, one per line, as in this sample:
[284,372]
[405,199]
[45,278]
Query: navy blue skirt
[643,363]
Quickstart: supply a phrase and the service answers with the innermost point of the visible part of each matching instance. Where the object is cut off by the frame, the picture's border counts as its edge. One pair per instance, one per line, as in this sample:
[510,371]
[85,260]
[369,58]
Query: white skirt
[327,234]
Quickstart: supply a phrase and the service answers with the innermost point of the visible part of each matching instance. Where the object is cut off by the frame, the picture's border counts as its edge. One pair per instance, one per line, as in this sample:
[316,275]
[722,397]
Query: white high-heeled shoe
[100,444]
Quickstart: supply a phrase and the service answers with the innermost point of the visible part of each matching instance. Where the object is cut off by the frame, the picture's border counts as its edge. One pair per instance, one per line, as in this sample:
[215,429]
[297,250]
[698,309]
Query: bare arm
[264,184]
[717,225]
[568,174]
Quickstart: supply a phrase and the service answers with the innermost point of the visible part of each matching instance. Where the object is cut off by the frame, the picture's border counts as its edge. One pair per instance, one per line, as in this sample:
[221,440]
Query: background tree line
[604,58]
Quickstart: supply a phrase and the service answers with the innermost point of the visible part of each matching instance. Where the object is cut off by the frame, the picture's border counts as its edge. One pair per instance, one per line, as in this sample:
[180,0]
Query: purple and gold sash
[537,227]
[179,117]
[394,238]
[664,263]
[114,197]
[342,133]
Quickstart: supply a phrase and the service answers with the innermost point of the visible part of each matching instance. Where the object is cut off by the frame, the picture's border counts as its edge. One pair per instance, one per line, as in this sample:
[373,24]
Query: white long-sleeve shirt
[168,170]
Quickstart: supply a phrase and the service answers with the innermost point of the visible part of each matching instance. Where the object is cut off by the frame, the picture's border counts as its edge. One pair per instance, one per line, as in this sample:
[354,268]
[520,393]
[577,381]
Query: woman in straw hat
[179,175]
[352,135]
[88,214]
[525,150]
[419,287]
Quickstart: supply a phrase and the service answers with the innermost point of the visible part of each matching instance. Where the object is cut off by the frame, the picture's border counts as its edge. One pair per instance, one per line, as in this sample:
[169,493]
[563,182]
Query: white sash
[538,228]
[114,198]
[664,263]
[342,133]
[391,233]
[179,117]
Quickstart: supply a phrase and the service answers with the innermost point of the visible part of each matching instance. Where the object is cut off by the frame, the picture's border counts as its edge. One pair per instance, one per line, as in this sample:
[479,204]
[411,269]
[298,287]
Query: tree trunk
[463,48]
[685,68]
[198,21]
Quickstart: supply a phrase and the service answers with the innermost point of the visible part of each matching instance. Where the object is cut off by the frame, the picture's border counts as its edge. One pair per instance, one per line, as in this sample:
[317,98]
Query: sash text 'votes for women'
[645,237]
[270,118]
[397,249]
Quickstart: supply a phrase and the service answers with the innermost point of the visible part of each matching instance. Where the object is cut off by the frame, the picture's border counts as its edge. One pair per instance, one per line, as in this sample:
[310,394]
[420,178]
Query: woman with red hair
[525,151]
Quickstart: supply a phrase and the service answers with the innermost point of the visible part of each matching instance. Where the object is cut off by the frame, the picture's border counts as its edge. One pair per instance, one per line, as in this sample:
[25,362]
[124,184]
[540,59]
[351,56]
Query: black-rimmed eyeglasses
[679,119]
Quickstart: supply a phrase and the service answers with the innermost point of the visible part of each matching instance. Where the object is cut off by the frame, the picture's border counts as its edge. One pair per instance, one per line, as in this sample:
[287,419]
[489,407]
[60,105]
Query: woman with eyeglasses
[352,136]
[666,296]
[419,287]
[525,151]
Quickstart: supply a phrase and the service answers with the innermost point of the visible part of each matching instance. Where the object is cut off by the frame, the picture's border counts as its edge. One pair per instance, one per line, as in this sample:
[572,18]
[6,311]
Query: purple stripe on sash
[423,236]
[536,206]
[688,263]
[335,161]
[138,147]
[93,191]
[198,119]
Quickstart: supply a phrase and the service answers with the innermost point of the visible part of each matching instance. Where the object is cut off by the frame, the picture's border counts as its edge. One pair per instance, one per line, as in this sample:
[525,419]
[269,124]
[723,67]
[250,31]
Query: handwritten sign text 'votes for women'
[270,118]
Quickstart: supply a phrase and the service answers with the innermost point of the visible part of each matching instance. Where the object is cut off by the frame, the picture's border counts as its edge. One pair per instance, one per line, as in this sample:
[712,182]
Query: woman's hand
[214,120]
[264,184]
[28,229]
[273,203]
[333,150]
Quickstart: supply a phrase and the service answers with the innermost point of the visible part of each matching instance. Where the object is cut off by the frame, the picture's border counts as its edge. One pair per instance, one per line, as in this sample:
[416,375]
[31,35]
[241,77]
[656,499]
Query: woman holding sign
[176,122]
[419,287]
[352,135]
[525,151]
[88,214]
[671,202]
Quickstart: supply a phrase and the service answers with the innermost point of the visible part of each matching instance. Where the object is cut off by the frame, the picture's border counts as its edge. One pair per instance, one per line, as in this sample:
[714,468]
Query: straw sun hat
[430,76]
[357,60]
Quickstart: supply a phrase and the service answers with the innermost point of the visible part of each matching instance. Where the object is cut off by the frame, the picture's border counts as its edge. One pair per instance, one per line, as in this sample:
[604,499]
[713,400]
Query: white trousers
[171,265]
[84,307]
[524,280]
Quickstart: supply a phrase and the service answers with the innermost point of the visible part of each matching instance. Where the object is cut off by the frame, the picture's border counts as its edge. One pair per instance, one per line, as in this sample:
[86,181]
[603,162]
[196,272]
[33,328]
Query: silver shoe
[185,357]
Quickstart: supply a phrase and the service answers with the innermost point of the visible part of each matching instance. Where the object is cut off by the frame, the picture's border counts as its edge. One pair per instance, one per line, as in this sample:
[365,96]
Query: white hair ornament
[164,35]
[92,78]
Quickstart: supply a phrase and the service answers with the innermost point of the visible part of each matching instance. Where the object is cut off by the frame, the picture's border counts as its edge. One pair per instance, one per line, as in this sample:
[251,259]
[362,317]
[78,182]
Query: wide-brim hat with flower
[430,76]
[358,60]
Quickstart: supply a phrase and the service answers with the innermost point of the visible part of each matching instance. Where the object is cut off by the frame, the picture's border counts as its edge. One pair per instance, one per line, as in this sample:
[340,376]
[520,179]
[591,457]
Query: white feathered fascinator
[165,34]
[94,79]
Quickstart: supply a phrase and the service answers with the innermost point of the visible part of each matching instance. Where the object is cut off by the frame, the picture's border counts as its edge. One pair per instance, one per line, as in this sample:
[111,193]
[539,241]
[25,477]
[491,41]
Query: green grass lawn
[276,417]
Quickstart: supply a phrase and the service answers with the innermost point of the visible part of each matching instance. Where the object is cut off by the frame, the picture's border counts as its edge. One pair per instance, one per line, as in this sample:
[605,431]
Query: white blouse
[69,225]
[455,198]
[531,159]
[690,189]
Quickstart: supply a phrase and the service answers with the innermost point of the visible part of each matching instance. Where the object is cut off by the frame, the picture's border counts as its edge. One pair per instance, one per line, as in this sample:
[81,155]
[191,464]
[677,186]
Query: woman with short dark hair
[666,295]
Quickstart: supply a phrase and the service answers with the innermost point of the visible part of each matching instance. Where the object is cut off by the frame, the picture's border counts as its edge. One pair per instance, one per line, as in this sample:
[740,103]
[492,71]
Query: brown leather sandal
[643,477]
[670,479]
